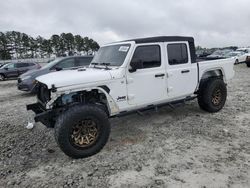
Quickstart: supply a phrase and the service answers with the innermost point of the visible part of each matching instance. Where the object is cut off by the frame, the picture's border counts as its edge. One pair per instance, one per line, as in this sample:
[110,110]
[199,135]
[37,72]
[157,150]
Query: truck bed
[225,65]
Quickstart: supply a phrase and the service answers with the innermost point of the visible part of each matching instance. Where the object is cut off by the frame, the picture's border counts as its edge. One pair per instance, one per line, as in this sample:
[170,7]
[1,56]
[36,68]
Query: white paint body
[141,88]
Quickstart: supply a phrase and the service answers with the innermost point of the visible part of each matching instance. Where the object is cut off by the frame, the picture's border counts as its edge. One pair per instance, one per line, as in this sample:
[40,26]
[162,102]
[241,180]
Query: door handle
[159,75]
[185,71]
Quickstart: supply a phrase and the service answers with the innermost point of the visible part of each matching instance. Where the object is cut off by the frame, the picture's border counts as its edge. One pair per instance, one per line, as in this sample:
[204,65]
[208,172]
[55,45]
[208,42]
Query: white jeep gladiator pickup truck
[126,77]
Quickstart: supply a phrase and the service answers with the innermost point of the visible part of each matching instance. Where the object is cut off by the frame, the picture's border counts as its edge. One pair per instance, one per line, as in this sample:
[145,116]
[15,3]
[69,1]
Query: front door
[11,70]
[147,84]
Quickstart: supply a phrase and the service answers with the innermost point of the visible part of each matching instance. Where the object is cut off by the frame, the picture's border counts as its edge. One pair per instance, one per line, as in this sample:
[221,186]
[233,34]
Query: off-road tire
[207,91]
[248,64]
[2,77]
[65,123]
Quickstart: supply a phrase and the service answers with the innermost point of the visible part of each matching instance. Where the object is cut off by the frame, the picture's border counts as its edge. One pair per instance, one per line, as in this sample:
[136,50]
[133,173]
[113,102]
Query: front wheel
[248,64]
[212,95]
[82,131]
[2,77]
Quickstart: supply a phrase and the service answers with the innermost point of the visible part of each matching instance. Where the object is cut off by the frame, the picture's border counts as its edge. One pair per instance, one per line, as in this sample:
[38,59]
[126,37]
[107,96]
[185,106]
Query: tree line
[15,45]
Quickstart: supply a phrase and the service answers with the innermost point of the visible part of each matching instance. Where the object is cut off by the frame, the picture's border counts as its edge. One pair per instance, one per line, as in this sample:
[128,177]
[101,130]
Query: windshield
[111,55]
[8,65]
[231,54]
[52,63]
[242,51]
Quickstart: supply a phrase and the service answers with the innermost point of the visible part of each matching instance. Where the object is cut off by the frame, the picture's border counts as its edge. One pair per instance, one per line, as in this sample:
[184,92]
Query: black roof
[162,39]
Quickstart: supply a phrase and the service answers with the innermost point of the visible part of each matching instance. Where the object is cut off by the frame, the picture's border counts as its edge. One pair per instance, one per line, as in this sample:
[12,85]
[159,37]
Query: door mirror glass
[136,64]
[58,68]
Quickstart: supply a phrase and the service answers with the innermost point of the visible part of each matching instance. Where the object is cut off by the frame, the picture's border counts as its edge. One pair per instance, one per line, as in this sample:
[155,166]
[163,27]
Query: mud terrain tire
[212,95]
[82,130]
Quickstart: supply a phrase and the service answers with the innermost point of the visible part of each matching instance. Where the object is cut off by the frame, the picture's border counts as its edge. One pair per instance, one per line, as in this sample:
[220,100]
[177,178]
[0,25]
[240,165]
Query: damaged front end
[43,113]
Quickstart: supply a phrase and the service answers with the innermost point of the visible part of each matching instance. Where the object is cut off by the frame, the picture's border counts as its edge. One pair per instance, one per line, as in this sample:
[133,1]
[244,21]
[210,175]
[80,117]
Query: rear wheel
[236,61]
[248,64]
[212,95]
[82,131]
[2,77]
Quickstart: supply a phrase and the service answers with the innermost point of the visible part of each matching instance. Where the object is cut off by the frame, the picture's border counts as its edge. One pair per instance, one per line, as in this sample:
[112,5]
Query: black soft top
[162,39]
[190,40]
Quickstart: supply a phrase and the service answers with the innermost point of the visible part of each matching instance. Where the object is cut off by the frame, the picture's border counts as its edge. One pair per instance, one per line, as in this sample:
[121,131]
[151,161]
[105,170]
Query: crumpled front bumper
[43,115]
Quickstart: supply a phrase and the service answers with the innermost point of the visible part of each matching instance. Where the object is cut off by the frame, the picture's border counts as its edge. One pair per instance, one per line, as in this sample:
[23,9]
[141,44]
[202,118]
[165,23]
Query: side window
[20,65]
[177,54]
[150,56]
[84,61]
[31,64]
[67,63]
[25,64]
[10,66]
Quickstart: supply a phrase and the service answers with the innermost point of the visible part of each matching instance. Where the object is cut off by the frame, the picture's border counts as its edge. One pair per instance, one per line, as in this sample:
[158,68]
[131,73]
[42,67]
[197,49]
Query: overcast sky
[213,23]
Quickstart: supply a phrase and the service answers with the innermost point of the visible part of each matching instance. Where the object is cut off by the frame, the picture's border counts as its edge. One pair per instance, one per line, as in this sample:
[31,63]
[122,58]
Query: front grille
[43,93]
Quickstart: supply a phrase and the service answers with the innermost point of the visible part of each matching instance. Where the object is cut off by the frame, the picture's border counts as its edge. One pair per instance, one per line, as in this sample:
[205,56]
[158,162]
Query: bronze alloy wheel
[216,97]
[84,133]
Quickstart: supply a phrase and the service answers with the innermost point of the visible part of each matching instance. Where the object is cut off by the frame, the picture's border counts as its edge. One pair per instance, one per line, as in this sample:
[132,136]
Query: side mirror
[58,68]
[136,64]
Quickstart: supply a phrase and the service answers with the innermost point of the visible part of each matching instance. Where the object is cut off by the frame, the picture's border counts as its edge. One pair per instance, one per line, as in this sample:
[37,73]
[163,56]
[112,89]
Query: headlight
[26,78]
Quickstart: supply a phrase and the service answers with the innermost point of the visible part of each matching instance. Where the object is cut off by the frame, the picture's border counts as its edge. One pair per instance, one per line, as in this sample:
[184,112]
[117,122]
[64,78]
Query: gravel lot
[181,147]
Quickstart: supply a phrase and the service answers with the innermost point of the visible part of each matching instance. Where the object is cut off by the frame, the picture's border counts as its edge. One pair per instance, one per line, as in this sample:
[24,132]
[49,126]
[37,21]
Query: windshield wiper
[94,63]
[106,65]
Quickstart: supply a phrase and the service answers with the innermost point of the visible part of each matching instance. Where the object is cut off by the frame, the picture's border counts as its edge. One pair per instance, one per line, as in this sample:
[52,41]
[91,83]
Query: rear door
[22,68]
[182,74]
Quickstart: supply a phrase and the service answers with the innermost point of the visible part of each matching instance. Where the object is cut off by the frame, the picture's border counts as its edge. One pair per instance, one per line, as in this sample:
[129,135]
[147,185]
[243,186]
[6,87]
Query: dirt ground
[181,147]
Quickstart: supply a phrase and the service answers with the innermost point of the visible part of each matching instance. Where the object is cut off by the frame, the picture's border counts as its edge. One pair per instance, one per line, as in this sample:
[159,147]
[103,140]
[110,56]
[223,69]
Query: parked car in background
[201,54]
[26,82]
[246,50]
[239,56]
[13,70]
[218,54]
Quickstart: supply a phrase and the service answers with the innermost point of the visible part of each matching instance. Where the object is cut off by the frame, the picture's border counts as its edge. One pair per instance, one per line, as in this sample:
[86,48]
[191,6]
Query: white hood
[74,77]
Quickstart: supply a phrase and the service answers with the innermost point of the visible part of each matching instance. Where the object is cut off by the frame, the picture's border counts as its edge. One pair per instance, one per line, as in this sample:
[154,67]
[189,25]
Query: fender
[111,104]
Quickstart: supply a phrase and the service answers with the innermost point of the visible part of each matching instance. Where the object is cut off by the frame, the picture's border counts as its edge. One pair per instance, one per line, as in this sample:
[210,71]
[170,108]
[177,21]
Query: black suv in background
[13,70]
[27,81]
